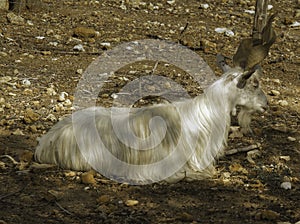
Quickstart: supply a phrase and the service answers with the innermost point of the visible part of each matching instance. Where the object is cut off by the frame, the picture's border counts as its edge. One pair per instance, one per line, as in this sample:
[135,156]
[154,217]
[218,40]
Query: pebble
[3,54]
[171,2]
[62,96]
[88,178]
[14,19]
[67,103]
[130,203]
[78,47]
[286,185]
[84,32]
[51,117]
[291,139]
[26,82]
[204,6]
[79,71]
[274,92]
[283,103]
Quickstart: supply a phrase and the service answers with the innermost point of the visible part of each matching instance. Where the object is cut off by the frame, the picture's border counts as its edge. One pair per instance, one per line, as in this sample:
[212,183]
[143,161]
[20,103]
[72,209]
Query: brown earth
[40,50]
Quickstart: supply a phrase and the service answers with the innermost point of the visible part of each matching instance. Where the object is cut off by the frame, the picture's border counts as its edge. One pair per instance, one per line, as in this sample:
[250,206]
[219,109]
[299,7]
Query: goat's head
[244,77]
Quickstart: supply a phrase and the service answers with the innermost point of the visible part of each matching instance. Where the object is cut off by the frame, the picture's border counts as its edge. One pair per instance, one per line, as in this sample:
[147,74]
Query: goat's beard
[244,119]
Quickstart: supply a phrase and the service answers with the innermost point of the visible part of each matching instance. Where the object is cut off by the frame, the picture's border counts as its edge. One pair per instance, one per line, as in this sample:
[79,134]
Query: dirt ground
[38,63]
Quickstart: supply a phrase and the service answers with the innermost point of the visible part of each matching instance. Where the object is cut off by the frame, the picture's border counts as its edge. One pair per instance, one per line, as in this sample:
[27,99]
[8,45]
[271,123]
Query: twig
[244,149]
[9,157]
[62,208]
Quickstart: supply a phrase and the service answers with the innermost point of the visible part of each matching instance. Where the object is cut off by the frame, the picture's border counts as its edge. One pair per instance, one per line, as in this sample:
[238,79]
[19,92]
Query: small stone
[283,103]
[67,103]
[51,117]
[3,54]
[62,96]
[130,203]
[171,2]
[46,53]
[70,174]
[274,93]
[84,32]
[78,47]
[291,139]
[286,185]
[79,71]
[14,19]
[285,158]
[88,178]
[204,6]
[26,82]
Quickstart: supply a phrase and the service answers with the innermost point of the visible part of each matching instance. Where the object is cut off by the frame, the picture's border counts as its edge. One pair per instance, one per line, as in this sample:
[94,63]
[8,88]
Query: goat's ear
[244,77]
[252,51]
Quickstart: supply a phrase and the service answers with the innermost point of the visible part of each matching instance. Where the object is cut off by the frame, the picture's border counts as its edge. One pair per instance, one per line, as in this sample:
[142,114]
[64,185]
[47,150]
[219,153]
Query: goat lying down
[161,142]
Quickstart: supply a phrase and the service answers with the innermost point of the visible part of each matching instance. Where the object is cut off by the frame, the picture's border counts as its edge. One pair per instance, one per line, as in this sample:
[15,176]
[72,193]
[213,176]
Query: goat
[187,136]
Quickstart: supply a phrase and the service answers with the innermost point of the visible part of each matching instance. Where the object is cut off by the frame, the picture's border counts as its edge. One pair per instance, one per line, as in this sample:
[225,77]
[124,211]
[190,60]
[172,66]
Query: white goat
[193,132]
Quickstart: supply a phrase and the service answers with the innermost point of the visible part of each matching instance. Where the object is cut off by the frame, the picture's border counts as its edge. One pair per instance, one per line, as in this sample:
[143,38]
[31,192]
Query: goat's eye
[255,83]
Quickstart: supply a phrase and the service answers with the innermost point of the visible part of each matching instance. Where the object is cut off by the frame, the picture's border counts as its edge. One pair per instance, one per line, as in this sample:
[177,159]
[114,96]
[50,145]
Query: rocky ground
[40,69]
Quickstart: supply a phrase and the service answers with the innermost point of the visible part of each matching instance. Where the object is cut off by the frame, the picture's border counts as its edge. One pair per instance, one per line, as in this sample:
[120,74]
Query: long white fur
[204,120]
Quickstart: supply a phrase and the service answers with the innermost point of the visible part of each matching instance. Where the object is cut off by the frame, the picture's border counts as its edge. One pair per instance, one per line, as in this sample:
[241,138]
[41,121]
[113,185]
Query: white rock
[283,103]
[249,11]
[2,53]
[114,96]
[204,6]
[275,92]
[67,103]
[270,7]
[227,32]
[171,2]
[40,37]
[291,139]
[51,117]
[295,24]
[62,96]
[79,71]
[105,44]
[78,47]
[26,82]
[286,185]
